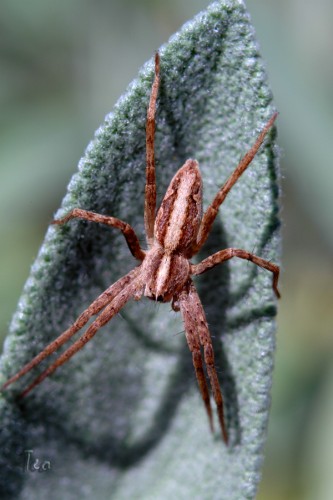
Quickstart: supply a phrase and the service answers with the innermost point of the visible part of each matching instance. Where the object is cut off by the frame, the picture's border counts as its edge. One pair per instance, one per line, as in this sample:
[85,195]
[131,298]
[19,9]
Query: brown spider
[174,235]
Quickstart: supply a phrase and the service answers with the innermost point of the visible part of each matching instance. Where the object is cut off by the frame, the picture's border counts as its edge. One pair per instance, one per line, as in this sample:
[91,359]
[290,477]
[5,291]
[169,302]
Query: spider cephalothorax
[174,235]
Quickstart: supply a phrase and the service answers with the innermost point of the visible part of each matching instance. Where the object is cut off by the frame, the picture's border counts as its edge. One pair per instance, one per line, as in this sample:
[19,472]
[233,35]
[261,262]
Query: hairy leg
[126,229]
[150,190]
[212,210]
[195,321]
[105,316]
[194,346]
[229,253]
[94,308]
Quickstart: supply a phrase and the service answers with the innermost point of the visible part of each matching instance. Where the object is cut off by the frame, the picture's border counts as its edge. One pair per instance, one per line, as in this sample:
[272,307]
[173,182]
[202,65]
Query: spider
[174,235]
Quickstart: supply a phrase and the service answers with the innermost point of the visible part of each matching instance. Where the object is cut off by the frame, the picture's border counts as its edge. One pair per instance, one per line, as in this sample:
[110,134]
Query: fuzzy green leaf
[124,418]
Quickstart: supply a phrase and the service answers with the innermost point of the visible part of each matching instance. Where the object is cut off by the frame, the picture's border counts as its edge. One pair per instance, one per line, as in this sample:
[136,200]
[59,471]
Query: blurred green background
[64,64]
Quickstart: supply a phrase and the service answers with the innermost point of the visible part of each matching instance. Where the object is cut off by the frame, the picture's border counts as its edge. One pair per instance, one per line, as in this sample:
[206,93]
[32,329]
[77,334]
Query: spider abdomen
[179,216]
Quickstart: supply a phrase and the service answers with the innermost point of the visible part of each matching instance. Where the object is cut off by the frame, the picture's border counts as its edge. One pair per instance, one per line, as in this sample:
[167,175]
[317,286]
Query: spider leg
[105,316]
[210,214]
[194,346]
[229,253]
[105,298]
[150,190]
[126,229]
[197,329]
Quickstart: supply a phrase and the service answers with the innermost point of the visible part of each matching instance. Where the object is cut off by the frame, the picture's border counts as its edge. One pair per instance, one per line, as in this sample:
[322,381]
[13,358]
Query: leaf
[124,418]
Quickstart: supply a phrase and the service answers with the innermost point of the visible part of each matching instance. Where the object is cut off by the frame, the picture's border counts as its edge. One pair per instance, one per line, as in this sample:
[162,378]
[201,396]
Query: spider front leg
[126,229]
[197,334]
[119,301]
[105,298]
[229,253]
[194,346]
